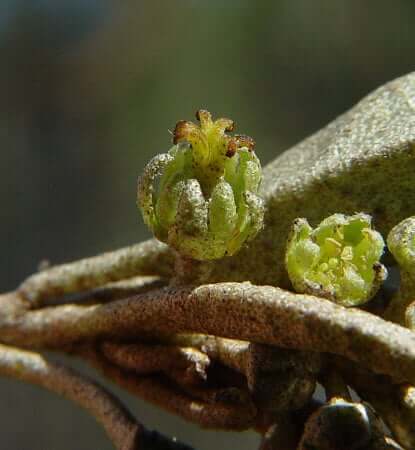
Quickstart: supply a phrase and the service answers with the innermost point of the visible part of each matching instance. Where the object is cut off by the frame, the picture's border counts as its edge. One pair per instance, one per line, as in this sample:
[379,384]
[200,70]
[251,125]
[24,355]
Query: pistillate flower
[338,260]
[205,204]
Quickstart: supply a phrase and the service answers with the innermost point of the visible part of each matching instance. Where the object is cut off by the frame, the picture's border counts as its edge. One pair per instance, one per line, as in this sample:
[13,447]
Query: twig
[147,258]
[123,430]
[109,292]
[229,416]
[184,364]
[281,379]
[278,379]
[267,369]
[235,310]
[232,353]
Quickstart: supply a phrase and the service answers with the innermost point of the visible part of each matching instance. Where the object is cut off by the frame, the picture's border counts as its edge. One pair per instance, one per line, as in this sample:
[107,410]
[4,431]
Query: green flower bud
[201,197]
[338,260]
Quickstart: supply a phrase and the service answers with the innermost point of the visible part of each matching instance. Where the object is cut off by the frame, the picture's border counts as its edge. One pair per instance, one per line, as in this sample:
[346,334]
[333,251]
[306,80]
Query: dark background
[88,92]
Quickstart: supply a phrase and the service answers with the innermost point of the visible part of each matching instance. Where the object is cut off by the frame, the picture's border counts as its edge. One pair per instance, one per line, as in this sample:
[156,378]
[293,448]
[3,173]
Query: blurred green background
[89,90]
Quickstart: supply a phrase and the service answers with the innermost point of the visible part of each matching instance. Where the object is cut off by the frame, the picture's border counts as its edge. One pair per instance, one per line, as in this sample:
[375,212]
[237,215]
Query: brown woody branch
[147,258]
[278,379]
[236,413]
[235,310]
[186,365]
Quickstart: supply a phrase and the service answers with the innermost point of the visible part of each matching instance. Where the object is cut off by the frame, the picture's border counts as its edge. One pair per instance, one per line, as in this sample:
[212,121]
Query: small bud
[338,260]
[205,204]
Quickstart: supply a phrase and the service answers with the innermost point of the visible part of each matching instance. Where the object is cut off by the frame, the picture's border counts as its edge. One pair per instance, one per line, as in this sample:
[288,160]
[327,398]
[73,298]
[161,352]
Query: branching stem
[264,314]
[147,258]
